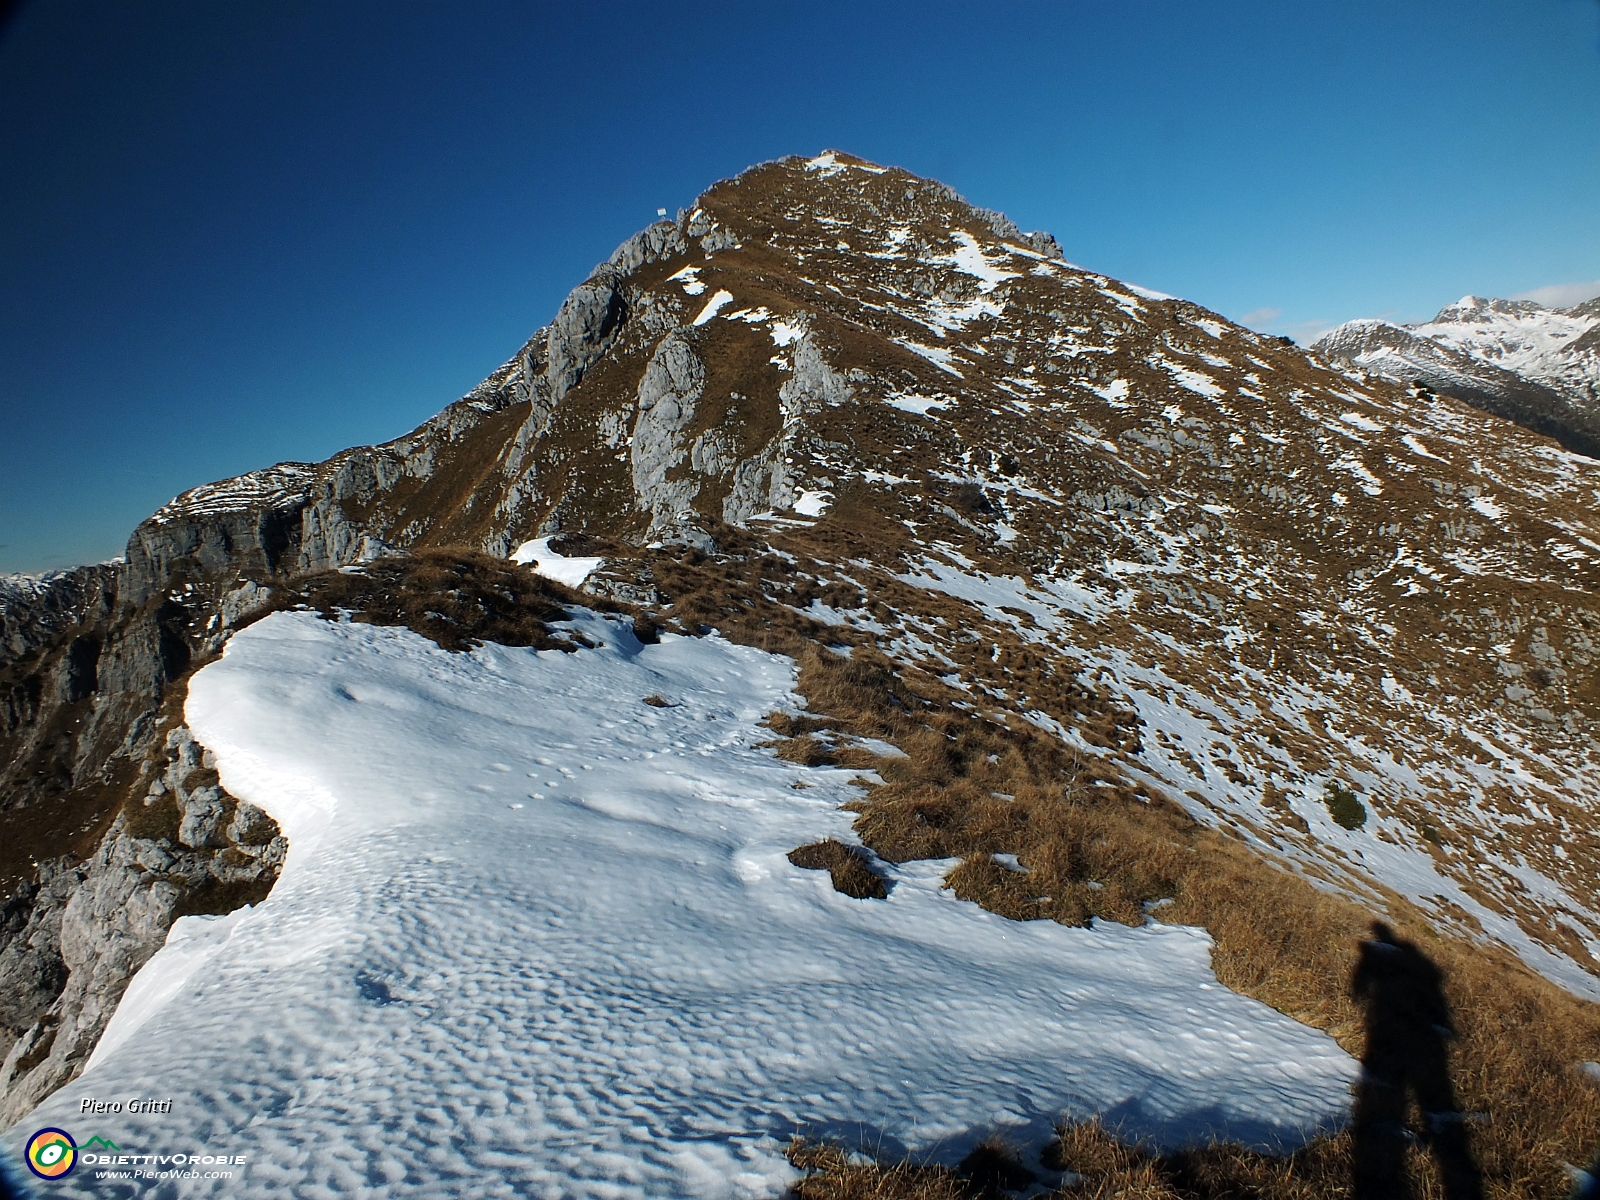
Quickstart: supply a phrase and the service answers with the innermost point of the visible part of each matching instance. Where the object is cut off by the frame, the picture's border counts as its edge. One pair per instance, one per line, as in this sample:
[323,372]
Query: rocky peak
[1589,308]
[1478,310]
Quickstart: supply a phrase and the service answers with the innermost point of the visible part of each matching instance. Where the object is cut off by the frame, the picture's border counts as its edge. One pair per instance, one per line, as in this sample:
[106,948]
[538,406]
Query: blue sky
[232,234]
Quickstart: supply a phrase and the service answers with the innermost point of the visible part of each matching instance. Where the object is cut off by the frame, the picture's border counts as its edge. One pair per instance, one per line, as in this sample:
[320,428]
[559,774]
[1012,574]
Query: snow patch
[1114,393]
[1413,444]
[921,405]
[546,562]
[938,357]
[970,258]
[812,504]
[1146,293]
[1362,422]
[690,278]
[716,304]
[1196,381]
[827,164]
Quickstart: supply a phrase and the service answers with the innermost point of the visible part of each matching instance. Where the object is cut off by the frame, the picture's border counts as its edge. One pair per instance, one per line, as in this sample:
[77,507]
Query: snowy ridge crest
[684,997]
[282,486]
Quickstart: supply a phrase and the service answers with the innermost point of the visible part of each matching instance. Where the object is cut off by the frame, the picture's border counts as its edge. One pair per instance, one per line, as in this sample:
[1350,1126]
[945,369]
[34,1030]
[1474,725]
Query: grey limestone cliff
[668,392]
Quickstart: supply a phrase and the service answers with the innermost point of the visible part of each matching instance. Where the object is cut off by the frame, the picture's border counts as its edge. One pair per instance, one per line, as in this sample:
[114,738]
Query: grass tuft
[805,750]
[845,864]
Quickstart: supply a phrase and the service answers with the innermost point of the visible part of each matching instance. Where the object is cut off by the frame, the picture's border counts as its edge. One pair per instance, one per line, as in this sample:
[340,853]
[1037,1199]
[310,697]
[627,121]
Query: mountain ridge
[473,473]
[1213,581]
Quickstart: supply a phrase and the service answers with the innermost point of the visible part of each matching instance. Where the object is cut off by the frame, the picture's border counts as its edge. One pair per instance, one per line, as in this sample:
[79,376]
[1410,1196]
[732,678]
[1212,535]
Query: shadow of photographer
[1408,1029]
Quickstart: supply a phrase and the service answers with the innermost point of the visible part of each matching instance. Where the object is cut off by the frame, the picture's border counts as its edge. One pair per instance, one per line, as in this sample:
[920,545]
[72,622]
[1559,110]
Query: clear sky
[233,234]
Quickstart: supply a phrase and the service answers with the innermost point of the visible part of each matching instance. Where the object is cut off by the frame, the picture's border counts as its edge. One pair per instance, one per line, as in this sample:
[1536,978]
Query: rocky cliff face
[36,608]
[73,939]
[1217,569]
[1536,366]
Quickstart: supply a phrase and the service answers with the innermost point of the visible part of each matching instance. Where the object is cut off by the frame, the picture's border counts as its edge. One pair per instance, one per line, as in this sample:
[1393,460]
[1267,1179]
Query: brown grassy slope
[979,783]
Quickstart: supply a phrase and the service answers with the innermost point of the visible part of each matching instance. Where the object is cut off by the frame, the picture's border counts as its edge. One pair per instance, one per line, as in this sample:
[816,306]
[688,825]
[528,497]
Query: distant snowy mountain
[959,633]
[1534,365]
[1559,348]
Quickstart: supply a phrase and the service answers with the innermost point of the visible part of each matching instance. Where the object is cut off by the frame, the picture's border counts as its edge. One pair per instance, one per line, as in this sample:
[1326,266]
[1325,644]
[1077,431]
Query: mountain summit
[1117,614]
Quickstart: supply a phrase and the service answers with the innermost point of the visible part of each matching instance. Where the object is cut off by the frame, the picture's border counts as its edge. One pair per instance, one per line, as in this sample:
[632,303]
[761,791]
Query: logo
[52,1154]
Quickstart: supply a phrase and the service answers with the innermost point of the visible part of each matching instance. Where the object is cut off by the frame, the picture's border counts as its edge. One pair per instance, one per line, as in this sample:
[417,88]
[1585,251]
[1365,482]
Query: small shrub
[993,1168]
[1343,807]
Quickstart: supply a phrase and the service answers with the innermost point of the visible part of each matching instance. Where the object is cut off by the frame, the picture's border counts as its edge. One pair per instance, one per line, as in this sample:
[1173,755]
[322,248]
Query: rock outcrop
[72,941]
[36,608]
[673,383]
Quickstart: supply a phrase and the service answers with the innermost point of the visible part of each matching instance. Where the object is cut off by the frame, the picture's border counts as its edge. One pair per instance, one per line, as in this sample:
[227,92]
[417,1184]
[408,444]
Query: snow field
[538,938]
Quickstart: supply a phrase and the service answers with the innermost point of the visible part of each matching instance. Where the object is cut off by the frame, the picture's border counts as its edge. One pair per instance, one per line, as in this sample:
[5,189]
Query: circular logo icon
[52,1153]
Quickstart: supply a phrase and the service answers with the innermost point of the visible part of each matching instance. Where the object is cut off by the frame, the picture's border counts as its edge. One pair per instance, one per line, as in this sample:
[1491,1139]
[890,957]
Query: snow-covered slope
[1542,344]
[537,937]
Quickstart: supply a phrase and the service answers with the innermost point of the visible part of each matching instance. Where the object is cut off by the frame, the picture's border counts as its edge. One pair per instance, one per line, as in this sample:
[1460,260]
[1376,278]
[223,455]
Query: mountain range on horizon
[1536,365]
[956,595]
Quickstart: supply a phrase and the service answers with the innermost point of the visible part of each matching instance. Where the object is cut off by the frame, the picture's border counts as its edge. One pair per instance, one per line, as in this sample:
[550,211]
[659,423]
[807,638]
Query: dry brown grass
[1103,1167]
[805,750]
[846,865]
[458,598]
[1106,1167]
[830,1175]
